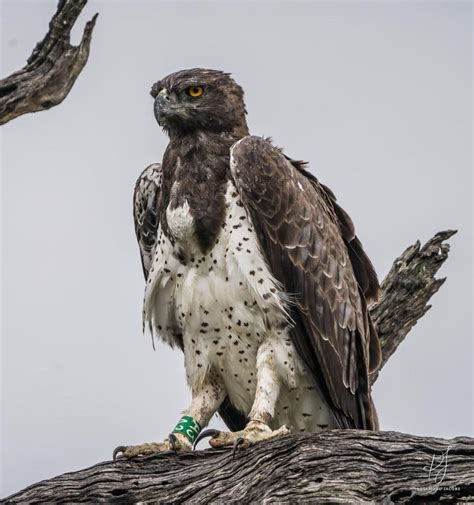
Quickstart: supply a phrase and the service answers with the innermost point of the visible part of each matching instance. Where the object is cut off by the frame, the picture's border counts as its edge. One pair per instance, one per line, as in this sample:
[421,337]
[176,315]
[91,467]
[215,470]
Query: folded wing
[311,248]
[145,212]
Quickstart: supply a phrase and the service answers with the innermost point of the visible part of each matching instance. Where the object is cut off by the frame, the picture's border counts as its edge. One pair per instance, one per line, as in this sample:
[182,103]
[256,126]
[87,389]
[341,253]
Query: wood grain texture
[406,291]
[52,68]
[338,466]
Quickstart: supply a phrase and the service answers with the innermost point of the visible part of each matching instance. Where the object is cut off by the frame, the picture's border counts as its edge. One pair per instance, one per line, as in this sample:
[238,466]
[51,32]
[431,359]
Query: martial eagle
[255,272]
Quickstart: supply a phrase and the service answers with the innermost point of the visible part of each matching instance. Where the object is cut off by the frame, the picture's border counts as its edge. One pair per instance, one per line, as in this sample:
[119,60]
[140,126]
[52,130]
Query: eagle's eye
[195,91]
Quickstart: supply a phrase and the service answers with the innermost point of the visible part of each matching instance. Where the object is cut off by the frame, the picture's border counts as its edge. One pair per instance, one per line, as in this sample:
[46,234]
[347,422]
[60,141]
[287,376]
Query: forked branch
[52,68]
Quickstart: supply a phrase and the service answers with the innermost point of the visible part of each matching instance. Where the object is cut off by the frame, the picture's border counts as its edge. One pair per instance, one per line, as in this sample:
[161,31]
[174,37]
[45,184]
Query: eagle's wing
[146,199]
[302,237]
[146,205]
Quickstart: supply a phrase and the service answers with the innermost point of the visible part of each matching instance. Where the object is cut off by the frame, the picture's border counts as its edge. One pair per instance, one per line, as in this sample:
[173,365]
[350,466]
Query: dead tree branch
[52,68]
[406,291]
[338,466]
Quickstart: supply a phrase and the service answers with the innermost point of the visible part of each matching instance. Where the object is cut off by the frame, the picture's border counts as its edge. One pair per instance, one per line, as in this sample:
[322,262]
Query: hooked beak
[161,107]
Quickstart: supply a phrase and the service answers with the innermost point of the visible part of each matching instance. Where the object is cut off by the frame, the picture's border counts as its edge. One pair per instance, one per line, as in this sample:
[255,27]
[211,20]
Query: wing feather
[146,212]
[311,248]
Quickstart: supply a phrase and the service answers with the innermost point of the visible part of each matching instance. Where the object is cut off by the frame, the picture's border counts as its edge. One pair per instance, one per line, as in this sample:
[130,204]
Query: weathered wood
[406,291]
[52,68]
[339,466]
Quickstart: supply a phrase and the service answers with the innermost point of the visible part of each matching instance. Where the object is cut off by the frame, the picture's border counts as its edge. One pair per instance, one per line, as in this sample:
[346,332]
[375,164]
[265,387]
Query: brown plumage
[307,239]
[312,250]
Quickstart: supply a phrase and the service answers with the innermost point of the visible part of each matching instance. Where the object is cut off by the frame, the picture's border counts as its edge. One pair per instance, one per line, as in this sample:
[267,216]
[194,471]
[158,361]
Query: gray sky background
[377,96]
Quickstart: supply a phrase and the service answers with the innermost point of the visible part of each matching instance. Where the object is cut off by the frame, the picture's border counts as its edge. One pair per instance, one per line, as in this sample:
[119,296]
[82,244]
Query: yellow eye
[195,91]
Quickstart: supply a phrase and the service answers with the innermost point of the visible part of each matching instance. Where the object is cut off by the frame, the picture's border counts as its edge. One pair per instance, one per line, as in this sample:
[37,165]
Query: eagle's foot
[254,432]
[176,442]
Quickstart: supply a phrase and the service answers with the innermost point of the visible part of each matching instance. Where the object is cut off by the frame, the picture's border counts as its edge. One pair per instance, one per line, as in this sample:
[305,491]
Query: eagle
[254,272]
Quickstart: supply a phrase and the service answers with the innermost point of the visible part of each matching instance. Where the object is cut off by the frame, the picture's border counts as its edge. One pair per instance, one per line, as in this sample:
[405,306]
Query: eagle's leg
[263,408]
[205,402]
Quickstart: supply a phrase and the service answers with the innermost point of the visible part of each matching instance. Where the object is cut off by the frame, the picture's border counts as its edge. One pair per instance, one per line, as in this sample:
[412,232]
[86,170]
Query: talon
[173,442]
[239,442]
[118,450]
[206,433]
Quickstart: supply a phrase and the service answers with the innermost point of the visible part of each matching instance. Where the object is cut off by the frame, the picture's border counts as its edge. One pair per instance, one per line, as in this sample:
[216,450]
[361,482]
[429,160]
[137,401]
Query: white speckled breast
[224,304]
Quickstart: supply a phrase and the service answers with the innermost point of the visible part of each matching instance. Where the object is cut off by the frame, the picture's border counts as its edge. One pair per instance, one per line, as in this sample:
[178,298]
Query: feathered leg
[205,402]
[263,408]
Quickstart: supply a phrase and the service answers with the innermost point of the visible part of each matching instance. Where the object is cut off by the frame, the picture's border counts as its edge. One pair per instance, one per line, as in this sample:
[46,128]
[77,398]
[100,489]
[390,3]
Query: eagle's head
[199,100]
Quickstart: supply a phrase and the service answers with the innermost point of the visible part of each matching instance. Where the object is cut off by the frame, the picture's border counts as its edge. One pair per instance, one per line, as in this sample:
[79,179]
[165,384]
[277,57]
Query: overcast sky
[376,96]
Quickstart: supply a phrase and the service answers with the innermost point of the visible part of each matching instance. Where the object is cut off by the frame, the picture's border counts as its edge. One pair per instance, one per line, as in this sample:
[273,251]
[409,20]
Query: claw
[239,442]
[206,433]
[173,442]
[118,450]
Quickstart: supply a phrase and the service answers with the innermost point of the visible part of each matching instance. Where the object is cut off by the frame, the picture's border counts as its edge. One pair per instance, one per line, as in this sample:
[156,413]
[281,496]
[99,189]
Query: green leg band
[188,427]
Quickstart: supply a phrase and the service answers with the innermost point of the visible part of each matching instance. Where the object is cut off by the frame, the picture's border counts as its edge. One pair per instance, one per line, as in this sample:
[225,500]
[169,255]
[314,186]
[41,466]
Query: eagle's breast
[224,305]
[222,302]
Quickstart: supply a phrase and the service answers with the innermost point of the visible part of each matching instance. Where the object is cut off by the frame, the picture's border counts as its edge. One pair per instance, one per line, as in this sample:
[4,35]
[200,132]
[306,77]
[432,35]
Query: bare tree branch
[406,292]
[337,466]
[52,68]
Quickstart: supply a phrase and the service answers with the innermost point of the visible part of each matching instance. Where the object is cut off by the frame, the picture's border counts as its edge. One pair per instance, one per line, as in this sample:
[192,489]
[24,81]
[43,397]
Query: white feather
[225,304]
